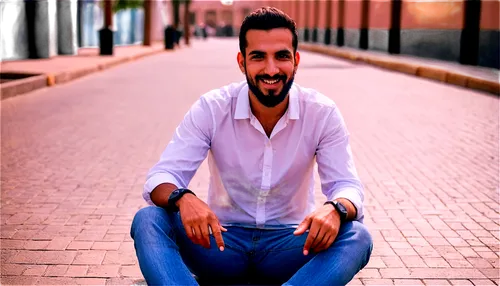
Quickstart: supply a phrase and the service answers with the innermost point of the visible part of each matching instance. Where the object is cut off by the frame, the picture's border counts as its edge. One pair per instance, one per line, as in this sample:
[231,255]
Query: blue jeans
[168,257]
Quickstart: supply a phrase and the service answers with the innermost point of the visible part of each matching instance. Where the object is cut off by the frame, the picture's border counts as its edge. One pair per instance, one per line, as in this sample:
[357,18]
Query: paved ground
[63,68]
[74,158]
[86,58]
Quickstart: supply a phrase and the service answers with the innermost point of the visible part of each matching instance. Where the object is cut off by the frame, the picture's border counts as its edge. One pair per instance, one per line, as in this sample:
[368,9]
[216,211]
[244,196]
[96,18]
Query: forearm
[161,193]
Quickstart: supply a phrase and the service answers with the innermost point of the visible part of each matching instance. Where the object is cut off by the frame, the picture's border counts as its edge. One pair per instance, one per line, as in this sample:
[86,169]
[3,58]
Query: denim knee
[148,219]
[364,239]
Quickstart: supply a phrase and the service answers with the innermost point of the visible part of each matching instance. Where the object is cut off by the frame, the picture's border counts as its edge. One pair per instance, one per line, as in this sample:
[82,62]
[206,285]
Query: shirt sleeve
[339,178]
[185,152]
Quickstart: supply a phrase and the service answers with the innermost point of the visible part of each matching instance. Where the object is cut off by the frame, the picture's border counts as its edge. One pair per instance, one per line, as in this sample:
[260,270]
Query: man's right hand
[197,217]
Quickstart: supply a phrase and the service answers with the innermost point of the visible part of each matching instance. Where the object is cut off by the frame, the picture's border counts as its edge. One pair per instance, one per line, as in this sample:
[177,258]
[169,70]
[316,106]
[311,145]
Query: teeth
[270,81]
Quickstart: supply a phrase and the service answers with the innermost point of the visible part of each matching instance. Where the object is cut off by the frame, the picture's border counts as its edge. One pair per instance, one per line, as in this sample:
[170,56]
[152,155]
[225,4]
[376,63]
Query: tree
[127,4]
[131,4]
[148,14]
[187,30]
[111,7]
[176,4]
[137,4]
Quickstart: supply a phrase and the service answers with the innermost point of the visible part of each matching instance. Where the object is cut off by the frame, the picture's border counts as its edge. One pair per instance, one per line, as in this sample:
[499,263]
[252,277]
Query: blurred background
[417,82]
[463,31]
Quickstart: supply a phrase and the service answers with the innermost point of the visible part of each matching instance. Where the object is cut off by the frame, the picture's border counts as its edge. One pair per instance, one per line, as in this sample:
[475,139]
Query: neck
[264,113]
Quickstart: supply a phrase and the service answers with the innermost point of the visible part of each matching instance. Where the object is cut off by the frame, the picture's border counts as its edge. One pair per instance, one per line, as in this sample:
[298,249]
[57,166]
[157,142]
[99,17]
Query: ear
[297,59]
[241,62]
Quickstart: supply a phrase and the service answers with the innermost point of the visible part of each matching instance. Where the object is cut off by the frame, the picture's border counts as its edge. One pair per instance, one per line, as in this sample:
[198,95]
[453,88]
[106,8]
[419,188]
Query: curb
[18,87]
[420,70]
[11,89]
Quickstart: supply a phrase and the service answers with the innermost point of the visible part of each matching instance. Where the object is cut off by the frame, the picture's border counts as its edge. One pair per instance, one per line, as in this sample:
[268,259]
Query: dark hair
[267,18]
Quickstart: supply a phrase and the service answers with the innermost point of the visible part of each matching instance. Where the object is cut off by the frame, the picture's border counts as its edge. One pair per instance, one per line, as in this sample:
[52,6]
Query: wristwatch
[175,196]
[341,209]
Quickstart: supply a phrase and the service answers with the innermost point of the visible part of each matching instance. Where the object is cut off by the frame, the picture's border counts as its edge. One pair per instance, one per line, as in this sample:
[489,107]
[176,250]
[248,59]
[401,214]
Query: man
[260,224]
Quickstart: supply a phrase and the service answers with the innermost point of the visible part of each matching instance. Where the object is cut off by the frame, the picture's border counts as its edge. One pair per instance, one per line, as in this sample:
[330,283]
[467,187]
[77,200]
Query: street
[75,157]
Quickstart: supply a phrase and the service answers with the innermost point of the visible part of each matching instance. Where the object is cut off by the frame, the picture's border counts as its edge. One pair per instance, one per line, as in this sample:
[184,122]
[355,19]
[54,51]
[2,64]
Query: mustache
[268,77]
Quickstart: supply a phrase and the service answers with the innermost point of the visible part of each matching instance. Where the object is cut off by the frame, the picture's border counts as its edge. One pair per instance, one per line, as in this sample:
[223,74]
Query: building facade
[217,15]
[128,24]
[465,31]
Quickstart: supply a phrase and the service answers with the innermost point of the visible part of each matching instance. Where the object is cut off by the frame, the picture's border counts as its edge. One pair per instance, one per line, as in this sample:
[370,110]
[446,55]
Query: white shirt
[256,180]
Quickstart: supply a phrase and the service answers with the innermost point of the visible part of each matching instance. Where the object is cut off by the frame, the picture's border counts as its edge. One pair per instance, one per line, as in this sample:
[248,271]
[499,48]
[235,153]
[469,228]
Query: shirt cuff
[155,181]
[354,196]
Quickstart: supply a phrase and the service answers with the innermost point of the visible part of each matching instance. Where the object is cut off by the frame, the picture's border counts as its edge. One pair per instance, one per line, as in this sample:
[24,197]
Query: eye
[257,57]
[283,56]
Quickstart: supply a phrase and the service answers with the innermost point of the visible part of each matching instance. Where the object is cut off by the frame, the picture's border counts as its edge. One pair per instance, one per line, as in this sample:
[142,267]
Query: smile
[270,81]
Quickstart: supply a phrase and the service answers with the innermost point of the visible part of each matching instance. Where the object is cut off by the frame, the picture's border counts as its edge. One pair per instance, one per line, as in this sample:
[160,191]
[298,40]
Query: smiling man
[262,137]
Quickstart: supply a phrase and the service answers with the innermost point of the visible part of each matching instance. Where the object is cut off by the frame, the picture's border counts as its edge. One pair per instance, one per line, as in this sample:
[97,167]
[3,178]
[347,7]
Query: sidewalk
[473,77]
[74,162]
[61,69]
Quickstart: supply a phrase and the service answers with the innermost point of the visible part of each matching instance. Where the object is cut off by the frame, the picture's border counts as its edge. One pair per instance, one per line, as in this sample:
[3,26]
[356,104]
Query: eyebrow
[257,52]
[284,52]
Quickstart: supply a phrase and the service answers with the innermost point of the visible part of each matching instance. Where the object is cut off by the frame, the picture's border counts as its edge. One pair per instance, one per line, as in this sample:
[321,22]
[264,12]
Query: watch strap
[175,196]
[340,208]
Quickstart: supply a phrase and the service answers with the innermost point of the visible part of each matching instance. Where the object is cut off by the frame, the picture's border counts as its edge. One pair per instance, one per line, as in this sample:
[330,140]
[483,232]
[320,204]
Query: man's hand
[323,225]
[197,217]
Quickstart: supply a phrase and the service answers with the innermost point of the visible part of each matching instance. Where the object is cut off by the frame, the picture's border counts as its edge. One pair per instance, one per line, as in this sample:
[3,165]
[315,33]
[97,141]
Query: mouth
[274,81]
[271,83]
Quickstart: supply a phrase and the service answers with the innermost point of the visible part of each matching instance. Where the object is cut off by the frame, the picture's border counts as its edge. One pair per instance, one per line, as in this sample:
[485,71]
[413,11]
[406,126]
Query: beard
[271,99]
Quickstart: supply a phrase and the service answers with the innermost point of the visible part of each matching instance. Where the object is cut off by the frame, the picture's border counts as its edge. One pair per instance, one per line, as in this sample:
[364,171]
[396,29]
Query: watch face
[342,210]
[174,194]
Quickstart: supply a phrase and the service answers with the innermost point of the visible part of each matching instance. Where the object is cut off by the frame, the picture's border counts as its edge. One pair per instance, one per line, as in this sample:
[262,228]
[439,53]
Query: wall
[379,25]
[489,39]
[352,23]
[161,17]
[217,15]
[440,29]
[432,29]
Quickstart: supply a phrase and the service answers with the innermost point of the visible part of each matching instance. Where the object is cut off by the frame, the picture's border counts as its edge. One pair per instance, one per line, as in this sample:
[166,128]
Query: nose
[271,67]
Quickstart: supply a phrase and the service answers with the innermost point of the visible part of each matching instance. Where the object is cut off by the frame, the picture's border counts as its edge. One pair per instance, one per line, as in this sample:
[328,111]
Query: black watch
[341,209]
[175,196]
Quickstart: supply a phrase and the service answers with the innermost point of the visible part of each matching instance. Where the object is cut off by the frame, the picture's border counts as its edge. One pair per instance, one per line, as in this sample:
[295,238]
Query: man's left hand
[323,225]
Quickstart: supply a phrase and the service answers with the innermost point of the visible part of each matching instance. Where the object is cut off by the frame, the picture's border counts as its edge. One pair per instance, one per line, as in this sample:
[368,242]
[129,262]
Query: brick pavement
[62,69]
[473,77]
[86,58]
[74,158]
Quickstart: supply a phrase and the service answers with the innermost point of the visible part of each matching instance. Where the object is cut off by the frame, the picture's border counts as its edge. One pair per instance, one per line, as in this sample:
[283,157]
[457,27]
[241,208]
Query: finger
[205,236]
[303,226]
[193,234]
[198,235]
[328,243]
[323,231]
[189,232]
[313,232]
[323,244]
[222,228]
[216,231]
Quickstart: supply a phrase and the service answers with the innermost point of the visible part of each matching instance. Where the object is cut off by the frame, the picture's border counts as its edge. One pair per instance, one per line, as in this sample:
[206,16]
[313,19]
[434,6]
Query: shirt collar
[243,110]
